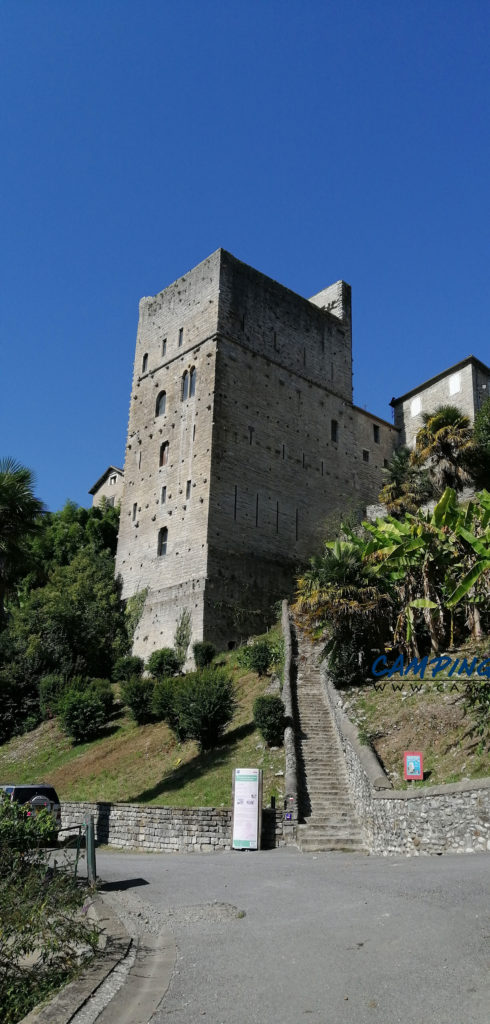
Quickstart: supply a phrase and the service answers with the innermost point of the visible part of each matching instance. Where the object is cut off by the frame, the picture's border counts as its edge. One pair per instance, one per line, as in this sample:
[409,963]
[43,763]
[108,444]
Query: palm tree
[20,516]
[443,445]
[406,486]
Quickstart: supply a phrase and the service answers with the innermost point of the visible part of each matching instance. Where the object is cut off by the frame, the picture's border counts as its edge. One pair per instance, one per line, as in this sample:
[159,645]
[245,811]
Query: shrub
[258,657]
[205,703]
[268,712]
[183,635]
[51,691]
[21,830]
[82,714]
[127,667]
[138,695]
[163,663]
[103,689]
[204,653]
[164,710]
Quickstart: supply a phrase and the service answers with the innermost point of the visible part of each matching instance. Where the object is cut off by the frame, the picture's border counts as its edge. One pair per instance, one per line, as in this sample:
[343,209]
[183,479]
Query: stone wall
[167,829]
[465,385]
[432,819]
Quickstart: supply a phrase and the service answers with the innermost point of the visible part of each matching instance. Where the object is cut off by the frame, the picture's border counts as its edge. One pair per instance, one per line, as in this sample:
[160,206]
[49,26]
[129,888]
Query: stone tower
[242,440]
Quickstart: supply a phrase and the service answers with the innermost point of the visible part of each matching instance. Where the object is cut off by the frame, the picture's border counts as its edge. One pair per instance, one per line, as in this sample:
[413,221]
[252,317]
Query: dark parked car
[37,796]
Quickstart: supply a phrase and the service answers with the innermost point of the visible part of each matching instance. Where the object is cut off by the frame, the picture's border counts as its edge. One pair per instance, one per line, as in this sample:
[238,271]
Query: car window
[24,793]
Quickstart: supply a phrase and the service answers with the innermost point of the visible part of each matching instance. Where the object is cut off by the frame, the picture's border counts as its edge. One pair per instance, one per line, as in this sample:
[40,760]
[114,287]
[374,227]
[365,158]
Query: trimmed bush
[163,663]
[82,714]
[258,657]
[103,689]
[204,653]
[164,710]
[268,712]
[204,704]
[51,691]
[127,667]
[138,695]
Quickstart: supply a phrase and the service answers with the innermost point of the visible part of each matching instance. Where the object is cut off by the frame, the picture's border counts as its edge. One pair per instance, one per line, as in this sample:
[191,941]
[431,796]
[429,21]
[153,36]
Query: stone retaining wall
[291,776]
[167,829]
[429,819]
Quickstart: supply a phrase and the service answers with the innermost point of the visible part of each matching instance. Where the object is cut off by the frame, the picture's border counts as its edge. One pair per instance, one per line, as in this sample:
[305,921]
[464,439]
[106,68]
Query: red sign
[413,764]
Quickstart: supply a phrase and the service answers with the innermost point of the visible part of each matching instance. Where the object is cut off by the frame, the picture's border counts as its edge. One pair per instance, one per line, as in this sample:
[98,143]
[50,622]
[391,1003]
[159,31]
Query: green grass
[146,764]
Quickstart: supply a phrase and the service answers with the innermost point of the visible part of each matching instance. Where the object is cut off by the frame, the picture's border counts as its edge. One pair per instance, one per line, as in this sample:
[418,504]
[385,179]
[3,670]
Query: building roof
[440,376]
[103,478]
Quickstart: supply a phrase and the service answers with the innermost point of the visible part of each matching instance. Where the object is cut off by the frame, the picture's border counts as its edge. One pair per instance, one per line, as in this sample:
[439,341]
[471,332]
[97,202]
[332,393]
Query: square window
[415,406]
[365,455]
[112,480]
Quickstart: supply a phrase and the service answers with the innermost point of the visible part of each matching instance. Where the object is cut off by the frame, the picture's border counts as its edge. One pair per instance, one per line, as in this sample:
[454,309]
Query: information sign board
[413,764]
[247,808]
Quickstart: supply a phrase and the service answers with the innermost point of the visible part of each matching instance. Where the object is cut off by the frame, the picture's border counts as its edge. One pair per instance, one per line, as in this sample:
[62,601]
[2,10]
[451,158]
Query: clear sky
[314,140]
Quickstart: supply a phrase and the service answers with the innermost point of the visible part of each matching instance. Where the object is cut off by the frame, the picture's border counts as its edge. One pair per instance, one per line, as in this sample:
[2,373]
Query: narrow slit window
[235,502]
[164,347]
[163,495]
[161,403]
[297,524]
[303,459]
[257,510]
[188,489]
[139,459]
[194,432]
[185,386]
[192,382]
[284,451]
[376,433]
[181,337]
[164,453]
[277,517]
[334,431]
[135,510]
[144,365]
[323,468]
[162,541]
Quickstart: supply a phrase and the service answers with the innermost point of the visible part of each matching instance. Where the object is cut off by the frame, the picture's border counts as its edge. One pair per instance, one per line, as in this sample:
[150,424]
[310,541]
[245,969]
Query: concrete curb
[114,946]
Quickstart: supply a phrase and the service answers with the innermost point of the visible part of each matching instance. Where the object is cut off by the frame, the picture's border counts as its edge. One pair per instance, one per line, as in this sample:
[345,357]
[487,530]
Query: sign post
[413,764]
[247,809]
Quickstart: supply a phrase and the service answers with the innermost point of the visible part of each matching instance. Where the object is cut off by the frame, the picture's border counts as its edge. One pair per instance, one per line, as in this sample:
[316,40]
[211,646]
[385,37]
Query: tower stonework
[243,439]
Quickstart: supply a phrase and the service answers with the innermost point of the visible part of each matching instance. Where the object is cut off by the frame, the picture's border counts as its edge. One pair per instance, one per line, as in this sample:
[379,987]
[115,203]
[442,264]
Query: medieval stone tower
[242,440]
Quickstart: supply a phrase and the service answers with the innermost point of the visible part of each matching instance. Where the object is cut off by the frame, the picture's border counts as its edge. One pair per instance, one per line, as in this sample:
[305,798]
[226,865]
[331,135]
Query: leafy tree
[127,666]
[203,652]
[82,714]
[163,662]
[183,635]
[268,712]
[137,694]
[204,704]
[164,704]
[257,656]
[20,517]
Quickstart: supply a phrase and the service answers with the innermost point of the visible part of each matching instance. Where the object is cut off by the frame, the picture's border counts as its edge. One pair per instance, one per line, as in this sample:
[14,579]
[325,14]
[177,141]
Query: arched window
[185,386]
[144,365]
[192,382]
[164,453]
[161,403]
[162,541]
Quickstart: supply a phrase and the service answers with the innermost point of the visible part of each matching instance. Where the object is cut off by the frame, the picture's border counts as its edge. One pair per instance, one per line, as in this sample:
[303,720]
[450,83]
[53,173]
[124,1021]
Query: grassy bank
[146,764]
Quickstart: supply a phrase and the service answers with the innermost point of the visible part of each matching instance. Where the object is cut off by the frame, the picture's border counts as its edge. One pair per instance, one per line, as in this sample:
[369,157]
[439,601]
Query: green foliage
[164,704]
[82,714]
[137,694]
[183,635]
[19,701]
[260,655]
[204,704]
[39,911]
[268,712]
[204,653]
[479,458]
[103,689]
[134,610]
[127,666]
[477,704]
[52,688]
[20,518]
[164,662]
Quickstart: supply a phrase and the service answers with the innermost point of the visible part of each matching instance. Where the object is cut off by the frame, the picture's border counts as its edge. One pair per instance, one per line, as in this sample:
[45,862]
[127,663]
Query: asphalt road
[330,938]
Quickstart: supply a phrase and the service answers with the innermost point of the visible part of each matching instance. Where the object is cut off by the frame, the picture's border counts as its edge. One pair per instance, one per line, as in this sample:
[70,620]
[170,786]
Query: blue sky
[313,140]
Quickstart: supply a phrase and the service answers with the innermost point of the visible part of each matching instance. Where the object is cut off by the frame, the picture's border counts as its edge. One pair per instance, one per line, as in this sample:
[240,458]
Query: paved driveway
[330,938]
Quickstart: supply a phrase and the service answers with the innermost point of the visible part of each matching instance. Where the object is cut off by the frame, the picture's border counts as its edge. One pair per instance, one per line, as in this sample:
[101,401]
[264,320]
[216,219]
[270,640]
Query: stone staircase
[327,817]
